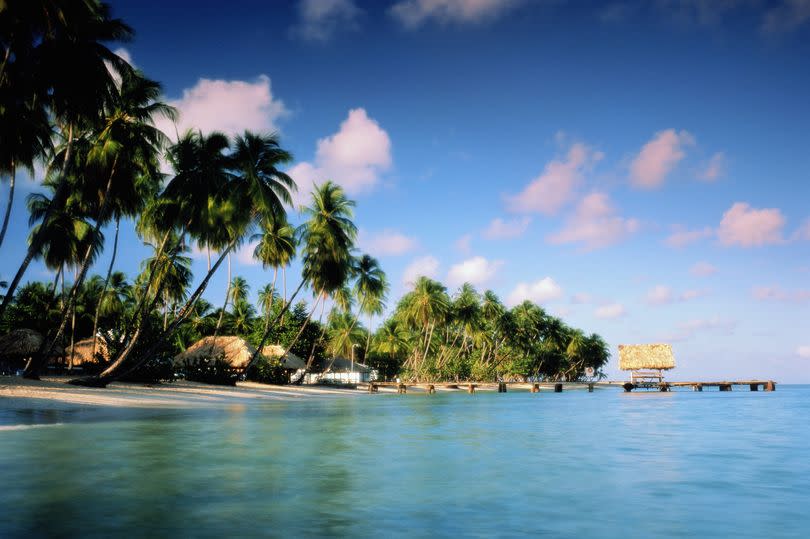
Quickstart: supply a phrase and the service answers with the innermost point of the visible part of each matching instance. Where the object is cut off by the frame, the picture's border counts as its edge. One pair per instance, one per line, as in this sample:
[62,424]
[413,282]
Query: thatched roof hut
[290,361]
[82,351]
[645,356]
[24,343]
[236,351]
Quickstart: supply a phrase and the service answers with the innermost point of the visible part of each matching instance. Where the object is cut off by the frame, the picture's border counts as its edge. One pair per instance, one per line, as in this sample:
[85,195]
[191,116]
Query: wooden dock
[558,387]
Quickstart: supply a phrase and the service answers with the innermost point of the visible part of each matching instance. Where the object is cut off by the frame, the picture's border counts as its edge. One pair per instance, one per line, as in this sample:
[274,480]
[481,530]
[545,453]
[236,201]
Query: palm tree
[371,287]
[425,307]
[64,47]
[275,248]
[343,334]
[123,156]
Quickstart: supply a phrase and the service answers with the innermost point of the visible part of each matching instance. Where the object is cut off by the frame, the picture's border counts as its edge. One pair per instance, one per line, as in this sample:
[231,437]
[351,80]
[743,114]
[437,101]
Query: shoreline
[54,393]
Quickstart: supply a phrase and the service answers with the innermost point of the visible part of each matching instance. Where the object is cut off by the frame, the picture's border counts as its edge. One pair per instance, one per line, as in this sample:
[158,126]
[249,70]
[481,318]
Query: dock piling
[770,386]
[754,387]
[590,387]
[558,388]
[471,388]
[431,389]
[402,389]
[725,387]
[535,388]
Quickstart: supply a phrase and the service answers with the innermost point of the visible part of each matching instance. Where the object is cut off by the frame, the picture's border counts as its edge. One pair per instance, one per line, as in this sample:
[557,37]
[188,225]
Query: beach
[54,393]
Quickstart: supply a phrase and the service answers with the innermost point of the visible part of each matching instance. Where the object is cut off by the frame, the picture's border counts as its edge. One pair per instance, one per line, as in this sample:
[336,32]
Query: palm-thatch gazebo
[81,353]
[290,361]
[646,361]
[235,351]
[19,345]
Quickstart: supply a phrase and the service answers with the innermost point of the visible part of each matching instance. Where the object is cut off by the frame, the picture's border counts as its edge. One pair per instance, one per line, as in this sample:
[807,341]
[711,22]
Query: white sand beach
[55,393]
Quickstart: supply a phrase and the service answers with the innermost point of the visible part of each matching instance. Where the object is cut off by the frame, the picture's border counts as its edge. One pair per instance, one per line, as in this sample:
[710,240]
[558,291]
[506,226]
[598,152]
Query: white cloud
[426,266]
[688,329]
[499,229]
[714,169]
[658,157]
[541,291]
[230,106]
[476,271]
[556,186]
[386,243]
[787,16]
[319,20]
[681,236]
[803,351]
[354,157]
[663,295]
[414,13]
[803,232]
[777,293]
[610,311]
[581,297]
[750,227]
[245,254]
[594,224]
[702,269]
[463,244]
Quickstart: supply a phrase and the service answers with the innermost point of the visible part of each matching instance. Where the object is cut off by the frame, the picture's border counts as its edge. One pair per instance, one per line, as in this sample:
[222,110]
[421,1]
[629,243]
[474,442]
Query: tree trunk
[10,203]
[38,240]
[270,305]
[267,331]
[284,282]
[32,368]
[225,305]
[106,284]
[368,338]
[110,373]
[300,332]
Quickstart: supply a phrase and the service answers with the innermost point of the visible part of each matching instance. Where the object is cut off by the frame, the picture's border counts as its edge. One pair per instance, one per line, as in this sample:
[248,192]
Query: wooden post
[372,388]
[402,389]
[557,388]
[663,387]
[590,387]
[770,386]
[471,388]
[754,387]
[725,387]
[501,387]
[535,388]
[628,387]
[431,389]
[697,387]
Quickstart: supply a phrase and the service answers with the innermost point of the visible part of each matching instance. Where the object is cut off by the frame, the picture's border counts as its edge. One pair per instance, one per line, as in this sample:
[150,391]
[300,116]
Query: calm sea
[575,464]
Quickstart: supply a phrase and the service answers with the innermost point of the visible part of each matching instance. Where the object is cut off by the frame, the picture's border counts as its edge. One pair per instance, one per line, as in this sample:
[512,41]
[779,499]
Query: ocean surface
[604,464]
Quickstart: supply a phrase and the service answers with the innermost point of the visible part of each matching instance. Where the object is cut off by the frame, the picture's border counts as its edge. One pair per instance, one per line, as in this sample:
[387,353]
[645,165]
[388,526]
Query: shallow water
[606,464]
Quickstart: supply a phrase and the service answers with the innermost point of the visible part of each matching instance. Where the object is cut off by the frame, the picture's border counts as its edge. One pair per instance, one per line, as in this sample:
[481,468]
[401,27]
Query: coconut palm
[275,248]
[371,286]
[343,334]
[75,72]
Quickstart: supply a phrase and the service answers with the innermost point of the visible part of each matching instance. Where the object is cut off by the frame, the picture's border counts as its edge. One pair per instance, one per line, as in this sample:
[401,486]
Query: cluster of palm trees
[470,336]
[71,105]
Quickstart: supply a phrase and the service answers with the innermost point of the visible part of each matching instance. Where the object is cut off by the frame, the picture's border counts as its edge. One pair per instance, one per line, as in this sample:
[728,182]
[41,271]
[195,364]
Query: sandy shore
[55,393]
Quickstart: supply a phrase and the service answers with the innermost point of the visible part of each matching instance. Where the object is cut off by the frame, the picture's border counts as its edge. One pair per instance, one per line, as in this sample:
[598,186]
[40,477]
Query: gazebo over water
[647,362]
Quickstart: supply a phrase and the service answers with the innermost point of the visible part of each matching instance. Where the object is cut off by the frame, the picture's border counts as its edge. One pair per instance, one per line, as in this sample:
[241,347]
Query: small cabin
[646,362]
[341,371]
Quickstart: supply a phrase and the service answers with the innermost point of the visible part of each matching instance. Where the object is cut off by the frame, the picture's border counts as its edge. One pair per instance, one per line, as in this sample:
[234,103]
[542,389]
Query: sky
[638,169]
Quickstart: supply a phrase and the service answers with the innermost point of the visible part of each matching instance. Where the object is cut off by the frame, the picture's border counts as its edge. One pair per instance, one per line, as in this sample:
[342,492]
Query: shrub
[210,371]
[267,371]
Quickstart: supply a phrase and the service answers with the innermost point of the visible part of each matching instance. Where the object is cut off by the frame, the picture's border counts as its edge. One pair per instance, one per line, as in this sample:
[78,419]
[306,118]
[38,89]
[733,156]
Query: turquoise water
[606,464]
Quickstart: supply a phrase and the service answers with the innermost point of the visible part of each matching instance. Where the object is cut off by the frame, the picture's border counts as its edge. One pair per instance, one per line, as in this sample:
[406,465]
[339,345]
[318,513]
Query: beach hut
[81,353]
[647,362]
[19,345]
[290,361]
[342,371]
[235,351]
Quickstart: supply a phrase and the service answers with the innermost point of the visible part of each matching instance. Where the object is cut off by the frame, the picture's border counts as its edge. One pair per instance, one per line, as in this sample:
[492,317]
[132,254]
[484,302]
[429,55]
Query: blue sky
[640,169]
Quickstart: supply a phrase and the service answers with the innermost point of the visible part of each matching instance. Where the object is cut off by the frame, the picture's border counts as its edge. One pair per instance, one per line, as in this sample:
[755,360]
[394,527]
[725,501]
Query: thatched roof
[83,351]
[645,356]
[290,361]
[236,351]
[24,343]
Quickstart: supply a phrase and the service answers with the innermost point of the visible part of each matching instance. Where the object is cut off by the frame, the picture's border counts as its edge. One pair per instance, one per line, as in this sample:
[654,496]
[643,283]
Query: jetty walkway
[558,387]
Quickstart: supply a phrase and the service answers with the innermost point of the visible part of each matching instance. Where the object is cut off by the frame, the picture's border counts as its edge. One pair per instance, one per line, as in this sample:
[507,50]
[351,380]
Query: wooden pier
[430,388]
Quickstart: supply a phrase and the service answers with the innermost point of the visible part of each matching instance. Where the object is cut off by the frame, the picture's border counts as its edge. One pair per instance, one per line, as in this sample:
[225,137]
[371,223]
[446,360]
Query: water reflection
[452,464]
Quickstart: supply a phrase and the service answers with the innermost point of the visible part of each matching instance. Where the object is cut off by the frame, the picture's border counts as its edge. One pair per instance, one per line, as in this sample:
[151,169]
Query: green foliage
[210,371]
[267,371]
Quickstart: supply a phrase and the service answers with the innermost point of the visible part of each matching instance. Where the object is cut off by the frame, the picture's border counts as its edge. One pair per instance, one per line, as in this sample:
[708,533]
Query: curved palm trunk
[111,373]
[284,282]
[266,334]
[33,366]
[106,284]
[10,203]
[38,240]
[298,336]
[368,338]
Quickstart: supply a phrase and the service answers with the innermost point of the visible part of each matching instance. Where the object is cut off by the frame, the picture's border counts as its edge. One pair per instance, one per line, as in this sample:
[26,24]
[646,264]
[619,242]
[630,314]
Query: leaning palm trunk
[33,366]
[270,305]
[224,307]
[10,202]
[111,373]
[298,336]
[106,284]
[266,334]
[35,247]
